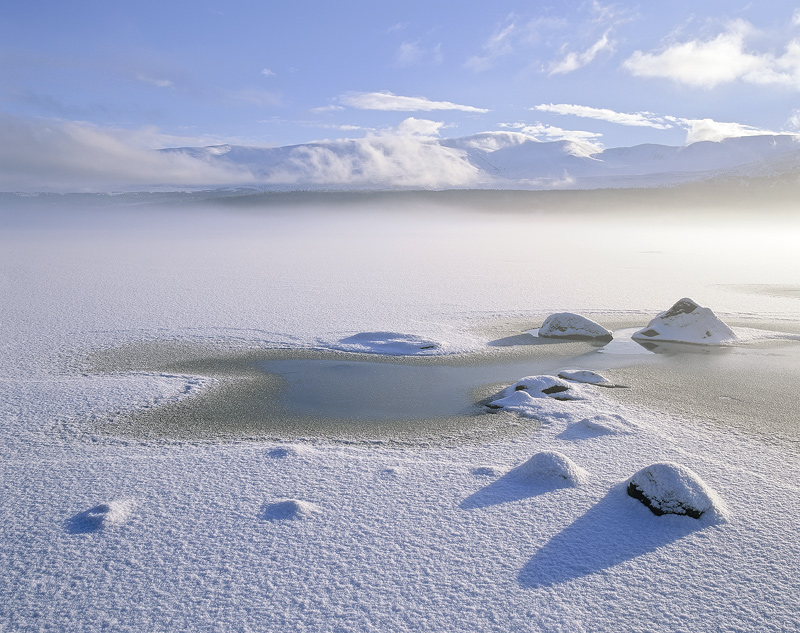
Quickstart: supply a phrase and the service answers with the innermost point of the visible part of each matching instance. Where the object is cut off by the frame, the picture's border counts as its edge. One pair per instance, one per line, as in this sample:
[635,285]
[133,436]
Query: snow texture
[670,488]
[569,325]
[686,322]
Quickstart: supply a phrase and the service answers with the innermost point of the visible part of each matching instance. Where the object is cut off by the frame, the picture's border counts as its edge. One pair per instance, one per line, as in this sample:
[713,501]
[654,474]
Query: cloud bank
[395,161]
[54,155]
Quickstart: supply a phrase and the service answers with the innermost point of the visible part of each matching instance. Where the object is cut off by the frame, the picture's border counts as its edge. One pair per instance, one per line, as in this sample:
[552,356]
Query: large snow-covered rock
[550,467]
[686,322]
[669,488]
[569,325]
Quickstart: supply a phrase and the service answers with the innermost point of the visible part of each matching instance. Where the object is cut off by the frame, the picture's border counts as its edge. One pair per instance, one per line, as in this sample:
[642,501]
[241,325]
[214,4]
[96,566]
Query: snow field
[411,539]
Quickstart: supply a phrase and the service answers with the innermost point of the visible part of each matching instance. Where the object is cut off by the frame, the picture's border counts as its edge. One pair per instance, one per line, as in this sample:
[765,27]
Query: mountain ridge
[503,160]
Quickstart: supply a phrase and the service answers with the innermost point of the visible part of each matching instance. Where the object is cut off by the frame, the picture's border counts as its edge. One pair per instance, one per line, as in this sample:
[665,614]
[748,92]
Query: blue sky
[172,73]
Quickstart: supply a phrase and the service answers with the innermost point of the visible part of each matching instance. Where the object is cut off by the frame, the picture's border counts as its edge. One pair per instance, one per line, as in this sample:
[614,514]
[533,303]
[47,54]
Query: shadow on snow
[616,529]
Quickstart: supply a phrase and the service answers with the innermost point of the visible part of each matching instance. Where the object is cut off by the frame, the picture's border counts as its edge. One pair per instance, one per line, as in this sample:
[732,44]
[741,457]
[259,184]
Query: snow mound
[574,326]
[290,510]
[606,424]
[389,343]
[543,387]
[584,375]
[686,322]
[669,488]
[550,467]
[288,451]
[100,516]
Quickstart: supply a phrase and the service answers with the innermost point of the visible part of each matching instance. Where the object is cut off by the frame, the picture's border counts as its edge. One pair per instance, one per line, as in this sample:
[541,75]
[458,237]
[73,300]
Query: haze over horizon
[90,89]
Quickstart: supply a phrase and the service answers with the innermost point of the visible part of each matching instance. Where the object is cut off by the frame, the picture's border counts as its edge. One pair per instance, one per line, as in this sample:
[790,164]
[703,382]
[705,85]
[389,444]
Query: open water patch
[304,394]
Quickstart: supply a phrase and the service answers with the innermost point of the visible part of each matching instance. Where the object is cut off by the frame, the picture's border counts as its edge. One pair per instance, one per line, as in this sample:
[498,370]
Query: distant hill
[504,160]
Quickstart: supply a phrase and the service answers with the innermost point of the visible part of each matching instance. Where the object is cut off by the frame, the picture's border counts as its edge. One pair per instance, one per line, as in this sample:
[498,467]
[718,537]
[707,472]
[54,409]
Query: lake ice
[105,530]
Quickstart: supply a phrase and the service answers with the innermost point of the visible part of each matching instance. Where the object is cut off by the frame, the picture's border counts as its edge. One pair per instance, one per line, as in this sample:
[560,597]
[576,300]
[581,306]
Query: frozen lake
[120,314]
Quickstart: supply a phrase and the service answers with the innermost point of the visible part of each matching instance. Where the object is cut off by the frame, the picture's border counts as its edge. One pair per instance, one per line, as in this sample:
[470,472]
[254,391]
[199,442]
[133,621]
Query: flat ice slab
[686,322]
[569,325]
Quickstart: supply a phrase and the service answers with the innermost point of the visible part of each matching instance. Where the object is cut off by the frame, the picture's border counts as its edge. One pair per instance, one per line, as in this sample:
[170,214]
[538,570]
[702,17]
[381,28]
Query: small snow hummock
[575,326]
[100,516]
[669,488]
[686,322]
[550,467]
[606,424]
[389,343]
[290,509]
[584,375]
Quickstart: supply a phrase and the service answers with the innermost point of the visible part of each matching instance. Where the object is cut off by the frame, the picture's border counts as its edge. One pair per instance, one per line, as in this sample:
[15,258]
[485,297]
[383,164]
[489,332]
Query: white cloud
[696,129]
[328,108]
[574,61]
[793,123]
[710,130]
[416,127]
[392,102]
[545,132]
[153,81]
[267,72]
[639,119]
[46,155]
[722,59]
[796,17]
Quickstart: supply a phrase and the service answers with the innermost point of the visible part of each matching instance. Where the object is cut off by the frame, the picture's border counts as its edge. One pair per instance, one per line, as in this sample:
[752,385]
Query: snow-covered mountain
[503,160]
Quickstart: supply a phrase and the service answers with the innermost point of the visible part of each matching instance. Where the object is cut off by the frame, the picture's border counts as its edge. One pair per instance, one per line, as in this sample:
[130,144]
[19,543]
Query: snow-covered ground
[119,533]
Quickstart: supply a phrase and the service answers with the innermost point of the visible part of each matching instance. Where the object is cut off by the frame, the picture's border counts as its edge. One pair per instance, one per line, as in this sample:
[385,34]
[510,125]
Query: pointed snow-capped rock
[686,322]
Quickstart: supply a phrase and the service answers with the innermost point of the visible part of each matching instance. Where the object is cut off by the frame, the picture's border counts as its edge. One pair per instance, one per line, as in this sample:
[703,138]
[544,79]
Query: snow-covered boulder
[572,326]
[541,387]
[686,322]
[550,467]
[669,488]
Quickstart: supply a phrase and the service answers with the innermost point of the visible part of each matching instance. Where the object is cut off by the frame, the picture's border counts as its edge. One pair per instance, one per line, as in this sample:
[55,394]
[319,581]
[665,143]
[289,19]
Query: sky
[124,77]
